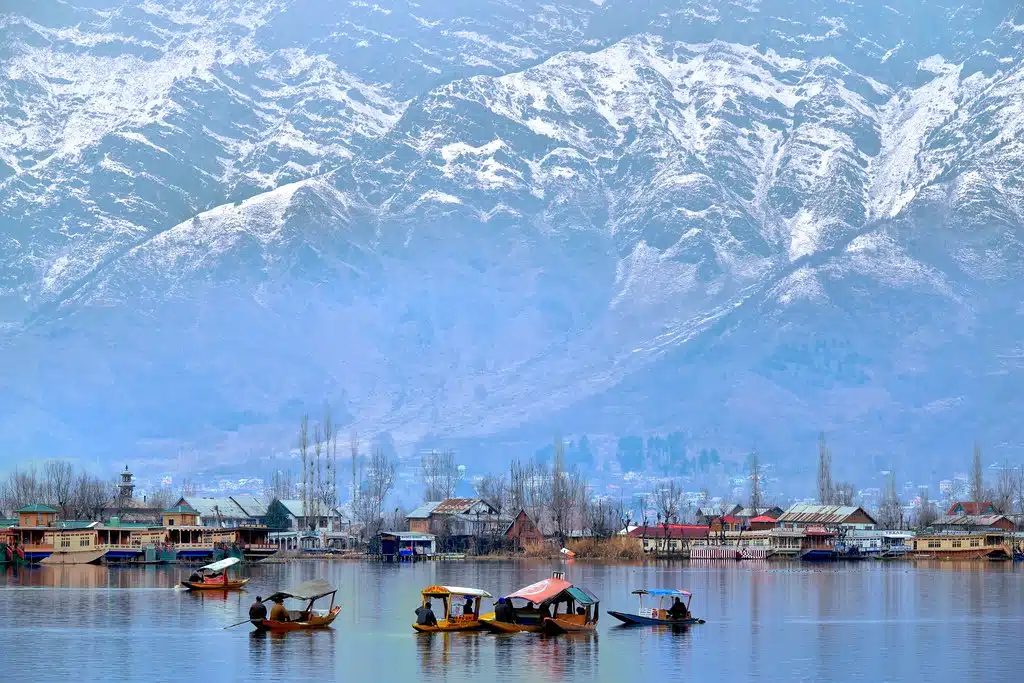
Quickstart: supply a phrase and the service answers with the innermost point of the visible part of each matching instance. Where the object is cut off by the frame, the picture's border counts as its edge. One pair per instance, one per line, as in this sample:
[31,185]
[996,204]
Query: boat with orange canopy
[550,606]
[303,619]
[214,576]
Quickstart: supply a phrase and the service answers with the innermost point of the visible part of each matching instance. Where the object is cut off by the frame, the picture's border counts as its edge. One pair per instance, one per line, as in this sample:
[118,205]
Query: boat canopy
[307,590]
[582,596]
[542,591]
[440,591]
[662,592]
[220,564]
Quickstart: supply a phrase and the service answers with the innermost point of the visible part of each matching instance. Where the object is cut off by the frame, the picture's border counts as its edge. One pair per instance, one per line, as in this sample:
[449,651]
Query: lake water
[869,621]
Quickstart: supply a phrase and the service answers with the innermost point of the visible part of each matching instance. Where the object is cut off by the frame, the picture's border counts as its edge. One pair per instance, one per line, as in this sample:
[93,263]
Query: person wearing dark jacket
[425,615]
[257,611]
[504,612]
[677,610]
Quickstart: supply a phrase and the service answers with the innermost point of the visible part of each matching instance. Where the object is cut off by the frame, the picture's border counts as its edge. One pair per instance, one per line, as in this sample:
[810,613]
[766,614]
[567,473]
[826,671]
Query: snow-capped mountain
[748,220]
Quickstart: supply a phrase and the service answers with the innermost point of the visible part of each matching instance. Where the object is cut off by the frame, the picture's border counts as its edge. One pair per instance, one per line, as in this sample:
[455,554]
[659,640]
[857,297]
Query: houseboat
[952,545]
[134,543]
[818,544]
[30,536]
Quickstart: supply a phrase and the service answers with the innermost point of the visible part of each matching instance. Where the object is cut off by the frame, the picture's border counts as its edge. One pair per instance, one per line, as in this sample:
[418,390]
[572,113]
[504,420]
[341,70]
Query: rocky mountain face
[488,220]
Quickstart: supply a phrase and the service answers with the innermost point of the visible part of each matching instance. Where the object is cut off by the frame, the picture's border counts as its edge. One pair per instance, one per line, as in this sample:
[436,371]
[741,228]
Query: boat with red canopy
[550,606]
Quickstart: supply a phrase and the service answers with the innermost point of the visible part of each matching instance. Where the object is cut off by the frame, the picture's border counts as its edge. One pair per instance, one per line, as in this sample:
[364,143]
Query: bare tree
[529,488]
[754,472]
[602,518]
[977,491]
[1005,490]
[440,475]
[493,490]
[926,512]
[378,484]
[329,494]
[890,513]
[353,447]
[825,494]
[1019,487]
[160,498]
[91,496]
[304,461]
[567,493]
[188,487]
[24,488]
[315,477]
[843,493]
[668,498]
[58,476]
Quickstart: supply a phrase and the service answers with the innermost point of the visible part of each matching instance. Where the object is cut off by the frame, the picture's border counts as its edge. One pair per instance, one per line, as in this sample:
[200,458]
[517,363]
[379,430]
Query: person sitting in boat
[467,609]
[257,611]
[425,615]
[544,612]
[279,612]
[195,577]
[677,610]
[504,612]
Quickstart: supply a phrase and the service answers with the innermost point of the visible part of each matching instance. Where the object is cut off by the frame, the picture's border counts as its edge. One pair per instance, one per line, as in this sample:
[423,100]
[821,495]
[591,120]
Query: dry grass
[615,548]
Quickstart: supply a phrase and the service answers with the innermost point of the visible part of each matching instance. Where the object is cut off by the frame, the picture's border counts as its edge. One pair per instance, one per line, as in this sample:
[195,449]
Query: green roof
[37,507]
[72,524]
[118,524]
[4,523]
[181,509]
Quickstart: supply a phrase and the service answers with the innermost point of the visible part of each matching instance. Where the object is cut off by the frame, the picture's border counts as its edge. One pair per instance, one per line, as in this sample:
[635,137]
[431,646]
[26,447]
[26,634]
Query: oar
[239,623]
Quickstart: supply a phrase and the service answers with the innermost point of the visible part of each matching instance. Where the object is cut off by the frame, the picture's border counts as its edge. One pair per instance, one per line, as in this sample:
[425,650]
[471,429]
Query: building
[970,507]
[762,522]
[457,517]
[522,532]
[670,538]
[946,545]
[406,545]
[180,515]
[802,515]
[705,514]
[973,523]
[297,519]
[747,514]
[219,512]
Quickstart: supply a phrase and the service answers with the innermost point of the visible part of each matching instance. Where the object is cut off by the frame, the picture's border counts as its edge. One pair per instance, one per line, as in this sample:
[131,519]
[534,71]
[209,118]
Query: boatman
[257,611]
[467,609]
[503,611]
[677,610]
[279,612]
[425,615]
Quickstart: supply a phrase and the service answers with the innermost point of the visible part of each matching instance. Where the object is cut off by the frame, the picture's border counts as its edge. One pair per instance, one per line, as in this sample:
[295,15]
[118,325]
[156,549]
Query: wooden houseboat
[948,545]
[818,544]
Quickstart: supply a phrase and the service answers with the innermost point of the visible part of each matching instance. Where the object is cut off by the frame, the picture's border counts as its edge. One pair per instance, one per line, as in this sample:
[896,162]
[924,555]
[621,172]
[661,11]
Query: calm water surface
[863,622]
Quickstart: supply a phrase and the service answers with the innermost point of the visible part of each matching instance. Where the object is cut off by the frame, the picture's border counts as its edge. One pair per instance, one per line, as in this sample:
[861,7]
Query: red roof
[763,519]
[541,591]
[971,507]
[681,531]
[729,519]
[818,531]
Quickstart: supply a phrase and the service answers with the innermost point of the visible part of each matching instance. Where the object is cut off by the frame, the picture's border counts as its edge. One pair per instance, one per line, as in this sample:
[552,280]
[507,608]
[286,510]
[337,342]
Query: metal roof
[179,509]
[71,525]
[252,505]
[423,511]
[455,506]
[968,520]
[37,507]
[409,535]
[671,531]
[819,514]
[209,507]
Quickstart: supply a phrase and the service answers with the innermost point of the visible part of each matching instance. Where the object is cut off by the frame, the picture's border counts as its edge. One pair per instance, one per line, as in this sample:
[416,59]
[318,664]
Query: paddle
[238,624]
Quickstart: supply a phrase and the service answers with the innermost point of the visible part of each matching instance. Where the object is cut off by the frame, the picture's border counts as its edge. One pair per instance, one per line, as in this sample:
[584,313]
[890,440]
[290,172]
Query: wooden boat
[657,616]
[214,576]
[457,618]
[304,619]
[550,606]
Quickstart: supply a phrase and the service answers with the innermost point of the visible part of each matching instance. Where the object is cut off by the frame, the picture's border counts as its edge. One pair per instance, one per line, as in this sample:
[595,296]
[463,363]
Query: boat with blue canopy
[660,615]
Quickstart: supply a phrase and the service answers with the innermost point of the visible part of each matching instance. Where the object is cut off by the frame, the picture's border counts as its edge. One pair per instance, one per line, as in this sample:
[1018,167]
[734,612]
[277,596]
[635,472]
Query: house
[973,523]
[294,512]
[180,515]
[218,512]
[970,507]
[670,537]
[762,523]
[406,545]
[707,513]
[725,523]
[457,517]
[748,513]
[522,532]
[36,515]
[802,515]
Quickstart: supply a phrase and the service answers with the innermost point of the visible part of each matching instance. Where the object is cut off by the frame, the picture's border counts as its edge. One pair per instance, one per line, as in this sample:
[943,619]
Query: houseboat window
[975,542]
[170,521]
[957,543]
[934,544]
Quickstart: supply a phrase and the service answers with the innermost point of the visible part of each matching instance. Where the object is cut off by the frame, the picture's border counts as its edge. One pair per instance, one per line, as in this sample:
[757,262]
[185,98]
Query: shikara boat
[303,619]
[550,606]
[214,576]
[657,616]
[457,615]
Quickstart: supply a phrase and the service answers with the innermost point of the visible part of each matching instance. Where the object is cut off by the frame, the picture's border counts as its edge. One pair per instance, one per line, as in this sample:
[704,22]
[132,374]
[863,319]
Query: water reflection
[873,621]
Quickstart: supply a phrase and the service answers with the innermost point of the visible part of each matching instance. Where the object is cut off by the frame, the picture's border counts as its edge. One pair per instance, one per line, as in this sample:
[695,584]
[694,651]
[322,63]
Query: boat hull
[316,622]
[85,557]
[554,626]
[450,626]
[506,627]
[637,620]
[229,586]
[818,555]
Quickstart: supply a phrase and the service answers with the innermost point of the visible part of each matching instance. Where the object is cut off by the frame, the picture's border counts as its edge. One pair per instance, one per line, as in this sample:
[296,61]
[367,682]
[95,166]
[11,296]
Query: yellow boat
[457,617]
[214,577]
